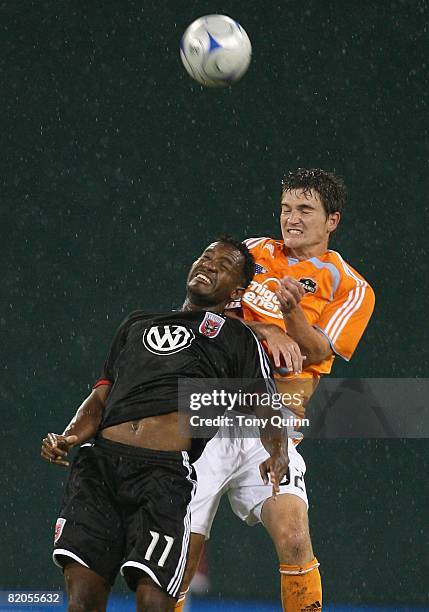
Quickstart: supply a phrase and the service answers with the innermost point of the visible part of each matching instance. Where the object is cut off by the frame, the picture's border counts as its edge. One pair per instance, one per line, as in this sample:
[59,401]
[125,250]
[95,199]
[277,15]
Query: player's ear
[333,220]
[237,294]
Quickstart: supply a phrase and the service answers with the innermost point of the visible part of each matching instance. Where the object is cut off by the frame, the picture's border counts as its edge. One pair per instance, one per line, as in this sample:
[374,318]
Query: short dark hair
[331,188]
[249,262]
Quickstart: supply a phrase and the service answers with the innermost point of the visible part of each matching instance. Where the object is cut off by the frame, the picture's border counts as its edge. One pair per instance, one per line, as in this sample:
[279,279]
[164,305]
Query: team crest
[211,325]
[309,285]
[59,526]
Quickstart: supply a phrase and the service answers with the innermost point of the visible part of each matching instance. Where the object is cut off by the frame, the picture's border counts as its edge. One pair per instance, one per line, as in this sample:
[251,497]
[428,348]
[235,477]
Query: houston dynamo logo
[309,285]
[167,339]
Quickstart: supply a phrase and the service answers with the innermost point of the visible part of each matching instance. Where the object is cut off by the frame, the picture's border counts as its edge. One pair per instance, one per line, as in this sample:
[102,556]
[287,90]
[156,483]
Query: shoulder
[244,339]
[240,330]
[257,245]
[236,326]
[349,277]
[252,243]
[134,317]
[249,350]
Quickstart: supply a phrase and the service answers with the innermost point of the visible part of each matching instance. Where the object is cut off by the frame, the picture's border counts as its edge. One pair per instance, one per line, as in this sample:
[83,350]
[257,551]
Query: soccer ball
[215,50]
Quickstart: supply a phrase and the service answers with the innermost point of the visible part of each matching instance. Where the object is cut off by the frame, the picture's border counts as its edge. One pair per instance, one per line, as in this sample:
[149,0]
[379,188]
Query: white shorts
[231,465]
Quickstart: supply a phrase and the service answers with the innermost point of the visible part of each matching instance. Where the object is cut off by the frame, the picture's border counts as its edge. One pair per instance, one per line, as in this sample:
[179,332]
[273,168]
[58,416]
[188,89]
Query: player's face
[304,223]
[216,276]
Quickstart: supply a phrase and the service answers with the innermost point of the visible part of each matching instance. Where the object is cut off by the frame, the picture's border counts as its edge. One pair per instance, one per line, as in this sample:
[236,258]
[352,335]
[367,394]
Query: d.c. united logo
[211,325]
[59,526]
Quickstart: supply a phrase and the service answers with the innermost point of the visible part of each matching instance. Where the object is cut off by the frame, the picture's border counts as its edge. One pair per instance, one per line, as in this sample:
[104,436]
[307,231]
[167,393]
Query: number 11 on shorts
[155,537]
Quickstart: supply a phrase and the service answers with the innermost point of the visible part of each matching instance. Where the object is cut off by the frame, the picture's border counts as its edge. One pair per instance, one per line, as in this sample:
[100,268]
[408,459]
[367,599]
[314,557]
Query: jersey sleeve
[107,376]
[344,320]
[252,365]
[251,359]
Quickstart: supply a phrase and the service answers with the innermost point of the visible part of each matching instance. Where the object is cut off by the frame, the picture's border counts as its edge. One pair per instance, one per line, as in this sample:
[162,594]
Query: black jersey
[151,351]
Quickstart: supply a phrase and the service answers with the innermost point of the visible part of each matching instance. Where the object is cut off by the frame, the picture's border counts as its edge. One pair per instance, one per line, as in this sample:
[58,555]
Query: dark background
[116,169]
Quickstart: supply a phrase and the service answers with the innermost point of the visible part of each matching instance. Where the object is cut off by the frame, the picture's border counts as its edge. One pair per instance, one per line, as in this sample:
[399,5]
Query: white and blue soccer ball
[215,50]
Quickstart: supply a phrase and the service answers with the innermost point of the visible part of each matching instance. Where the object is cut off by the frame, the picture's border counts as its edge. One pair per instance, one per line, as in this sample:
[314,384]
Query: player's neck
[189,305]
[302,254]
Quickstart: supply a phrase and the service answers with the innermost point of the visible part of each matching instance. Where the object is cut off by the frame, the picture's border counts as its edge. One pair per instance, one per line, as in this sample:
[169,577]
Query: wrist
[81,436]
[276,446]
[290,312]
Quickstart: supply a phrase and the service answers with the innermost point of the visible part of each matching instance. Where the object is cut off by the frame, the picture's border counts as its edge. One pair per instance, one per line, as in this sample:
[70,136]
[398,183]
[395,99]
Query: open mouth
[294,232]
[203,278]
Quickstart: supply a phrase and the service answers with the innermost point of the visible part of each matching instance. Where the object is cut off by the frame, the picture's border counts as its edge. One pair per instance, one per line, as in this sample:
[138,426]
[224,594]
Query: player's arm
[275,442]
[253,363]
[283,349]
[83,426]
[312,343]
[87,419]
[85,423]
[343,321]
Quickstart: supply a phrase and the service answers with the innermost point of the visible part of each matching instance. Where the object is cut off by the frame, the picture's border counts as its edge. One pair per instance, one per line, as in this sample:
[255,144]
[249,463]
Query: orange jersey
[338,300]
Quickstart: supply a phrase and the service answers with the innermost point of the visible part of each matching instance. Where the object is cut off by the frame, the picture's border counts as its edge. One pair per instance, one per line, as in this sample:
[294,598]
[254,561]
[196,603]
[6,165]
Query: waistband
[135,451]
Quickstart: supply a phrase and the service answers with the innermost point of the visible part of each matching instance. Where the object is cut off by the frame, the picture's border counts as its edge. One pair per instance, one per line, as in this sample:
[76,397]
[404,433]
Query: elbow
[317,356]
[318,350]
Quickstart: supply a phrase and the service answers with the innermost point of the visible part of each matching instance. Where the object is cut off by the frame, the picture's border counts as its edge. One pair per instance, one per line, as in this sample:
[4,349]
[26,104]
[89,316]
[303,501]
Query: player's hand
[289,293]
[55,448]
[274,469]
[284,351]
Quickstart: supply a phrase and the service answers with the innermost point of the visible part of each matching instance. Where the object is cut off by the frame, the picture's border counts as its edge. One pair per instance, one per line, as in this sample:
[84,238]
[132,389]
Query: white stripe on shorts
[176,581]
[67,553]
[143,567]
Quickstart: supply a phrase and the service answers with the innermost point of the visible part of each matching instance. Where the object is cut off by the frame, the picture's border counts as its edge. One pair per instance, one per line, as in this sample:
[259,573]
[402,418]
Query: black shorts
[127,509]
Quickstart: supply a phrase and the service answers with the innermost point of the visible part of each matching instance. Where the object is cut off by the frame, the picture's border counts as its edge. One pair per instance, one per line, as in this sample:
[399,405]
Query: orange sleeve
[255,245]
[344,320]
